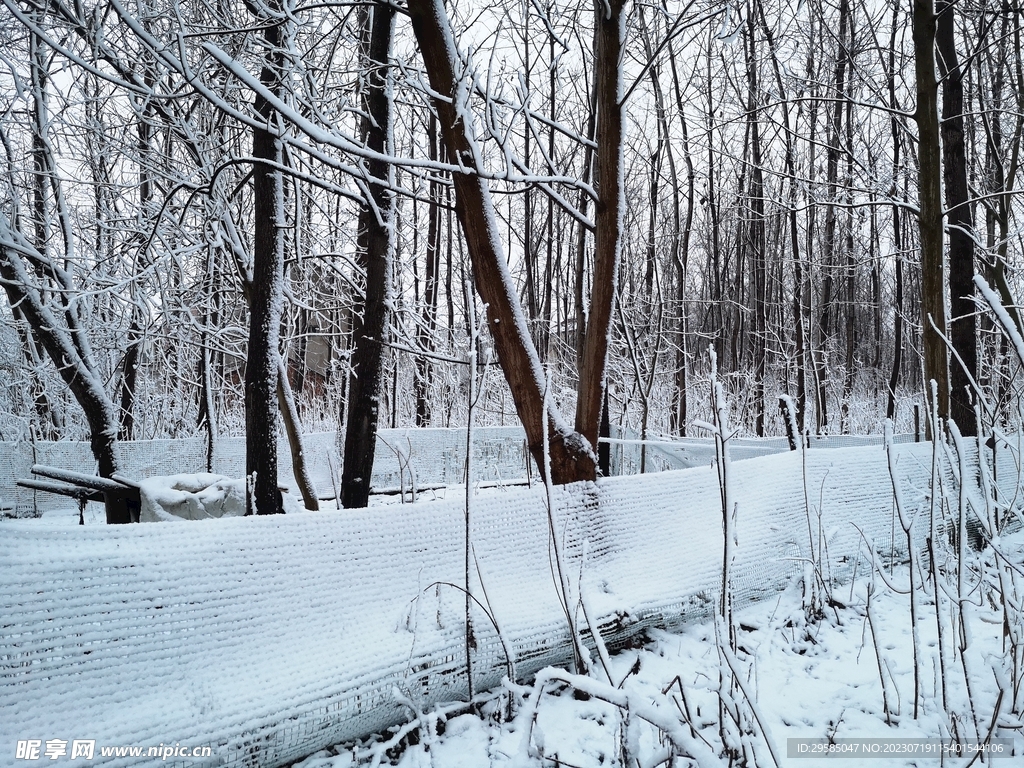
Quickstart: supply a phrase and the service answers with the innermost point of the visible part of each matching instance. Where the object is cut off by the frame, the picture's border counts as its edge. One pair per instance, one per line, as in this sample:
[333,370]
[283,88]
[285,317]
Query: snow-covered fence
[270,638]
[431,456]
[685,452]
[426,457]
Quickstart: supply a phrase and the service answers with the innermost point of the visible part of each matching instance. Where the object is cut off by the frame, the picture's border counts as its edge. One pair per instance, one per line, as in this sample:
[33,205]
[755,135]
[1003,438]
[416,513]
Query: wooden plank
[61,490]
[83,480]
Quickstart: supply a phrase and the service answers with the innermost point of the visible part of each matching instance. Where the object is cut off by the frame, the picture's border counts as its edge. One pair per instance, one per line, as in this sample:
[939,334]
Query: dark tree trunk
[897,227]
[267,295]
[833,151]
[757,234]
[129,377]
[70,356]
[432,268]
[581,243]
[933,305]
[608,34]
[374,252]
[962,331]
[681,254]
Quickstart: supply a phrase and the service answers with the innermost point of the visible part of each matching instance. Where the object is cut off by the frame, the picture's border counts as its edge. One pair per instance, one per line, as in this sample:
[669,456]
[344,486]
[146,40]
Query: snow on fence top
[270,638]
[424,457]
[428,456]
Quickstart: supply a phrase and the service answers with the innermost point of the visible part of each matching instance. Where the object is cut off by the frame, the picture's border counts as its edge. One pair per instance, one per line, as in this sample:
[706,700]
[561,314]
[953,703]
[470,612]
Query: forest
[343,209]
[773,241]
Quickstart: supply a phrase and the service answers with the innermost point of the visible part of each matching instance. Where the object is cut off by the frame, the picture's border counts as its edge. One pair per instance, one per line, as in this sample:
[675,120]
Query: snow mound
[196,496]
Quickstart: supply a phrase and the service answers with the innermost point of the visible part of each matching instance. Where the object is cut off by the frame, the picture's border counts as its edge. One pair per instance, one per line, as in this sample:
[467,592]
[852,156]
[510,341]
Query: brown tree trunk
[571,458]
[608,34]
[933,305]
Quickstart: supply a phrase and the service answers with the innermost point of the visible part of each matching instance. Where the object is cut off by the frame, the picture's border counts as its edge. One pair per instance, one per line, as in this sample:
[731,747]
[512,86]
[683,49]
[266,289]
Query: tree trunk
[71,356]
[428,323]
[933,305]
[681,254]
[374,252]
[757,232]
[571,457]
[835,132]
[608,34]
[897,227]
[796,304]
[262,364]
[129,377]
[963,333]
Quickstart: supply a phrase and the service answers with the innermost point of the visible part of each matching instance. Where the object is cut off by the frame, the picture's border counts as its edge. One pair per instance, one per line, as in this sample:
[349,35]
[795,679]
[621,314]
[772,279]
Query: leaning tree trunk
[571,457]
[374,251]
[66,346]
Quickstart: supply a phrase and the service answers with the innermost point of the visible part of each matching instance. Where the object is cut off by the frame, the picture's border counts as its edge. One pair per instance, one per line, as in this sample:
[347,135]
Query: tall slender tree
[374,250]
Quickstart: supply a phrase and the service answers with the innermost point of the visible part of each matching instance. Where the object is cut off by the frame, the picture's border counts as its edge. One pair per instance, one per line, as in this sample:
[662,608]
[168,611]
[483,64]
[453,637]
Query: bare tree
[569,453]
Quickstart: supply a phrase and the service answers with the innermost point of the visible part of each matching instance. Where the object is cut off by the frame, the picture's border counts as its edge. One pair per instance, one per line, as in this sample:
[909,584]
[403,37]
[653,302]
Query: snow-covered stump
[271,638]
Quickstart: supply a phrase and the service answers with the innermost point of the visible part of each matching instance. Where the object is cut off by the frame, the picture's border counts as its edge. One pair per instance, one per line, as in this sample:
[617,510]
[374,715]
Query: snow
[190,497]
[271,638]
[811,679]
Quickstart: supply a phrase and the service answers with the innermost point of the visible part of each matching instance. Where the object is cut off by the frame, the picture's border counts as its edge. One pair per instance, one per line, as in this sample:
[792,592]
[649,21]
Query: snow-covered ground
[368,625]
[809,680]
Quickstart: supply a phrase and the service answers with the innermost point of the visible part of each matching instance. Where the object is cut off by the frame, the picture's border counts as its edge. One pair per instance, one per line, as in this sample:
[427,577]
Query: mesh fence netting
[270,638]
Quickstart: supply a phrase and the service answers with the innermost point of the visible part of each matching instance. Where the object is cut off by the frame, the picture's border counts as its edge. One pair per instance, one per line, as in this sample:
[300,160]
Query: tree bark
[571,457]
[432,268]
[129,378]
[262,364]
[897,227]
[933,305]
[608,37]
[960,217]
[756,231]
[374,246]
[71,356]
[681,254]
